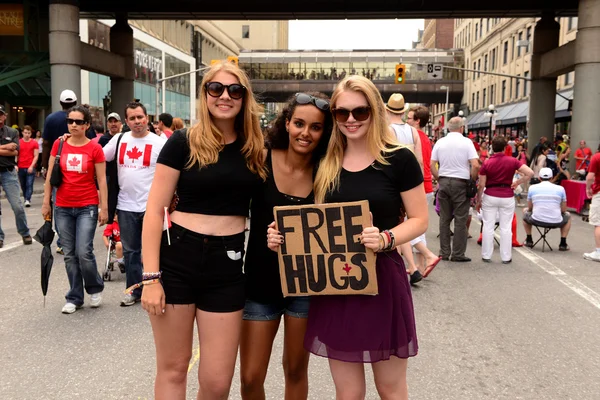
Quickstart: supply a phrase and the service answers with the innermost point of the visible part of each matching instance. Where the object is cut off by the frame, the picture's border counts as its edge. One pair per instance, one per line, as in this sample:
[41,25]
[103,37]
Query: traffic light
[400,73]
[233,59]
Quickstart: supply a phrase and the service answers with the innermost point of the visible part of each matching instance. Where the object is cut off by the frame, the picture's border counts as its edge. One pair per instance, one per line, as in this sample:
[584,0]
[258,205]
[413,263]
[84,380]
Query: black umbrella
[45,236]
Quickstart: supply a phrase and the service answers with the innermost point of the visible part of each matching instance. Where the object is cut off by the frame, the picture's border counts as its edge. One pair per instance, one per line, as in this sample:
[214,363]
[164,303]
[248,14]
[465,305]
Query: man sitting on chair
[547,206]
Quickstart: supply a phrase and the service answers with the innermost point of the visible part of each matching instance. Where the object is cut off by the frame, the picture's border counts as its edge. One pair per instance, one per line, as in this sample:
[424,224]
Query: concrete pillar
[121,42]
[586,95]
[65,49]
[542,99]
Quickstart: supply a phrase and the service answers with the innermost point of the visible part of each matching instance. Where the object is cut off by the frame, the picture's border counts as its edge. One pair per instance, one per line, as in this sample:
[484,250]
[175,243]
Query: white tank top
[404,135]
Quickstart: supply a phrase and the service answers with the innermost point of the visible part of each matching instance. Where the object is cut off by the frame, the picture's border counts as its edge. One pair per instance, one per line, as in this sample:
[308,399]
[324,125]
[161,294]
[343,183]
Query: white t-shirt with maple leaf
[136,163]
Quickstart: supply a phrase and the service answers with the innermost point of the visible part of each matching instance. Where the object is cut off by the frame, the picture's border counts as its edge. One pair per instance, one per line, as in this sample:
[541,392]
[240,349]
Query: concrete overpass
[68,55]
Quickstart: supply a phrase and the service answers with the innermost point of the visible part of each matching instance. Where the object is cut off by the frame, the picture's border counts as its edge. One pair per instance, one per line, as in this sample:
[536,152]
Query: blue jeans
[26,180]
[77,227]
[131,238]
[10,184]
[293,306]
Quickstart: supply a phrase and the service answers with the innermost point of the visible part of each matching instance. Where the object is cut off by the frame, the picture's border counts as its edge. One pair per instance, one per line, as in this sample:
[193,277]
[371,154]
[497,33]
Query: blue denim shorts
[293,306]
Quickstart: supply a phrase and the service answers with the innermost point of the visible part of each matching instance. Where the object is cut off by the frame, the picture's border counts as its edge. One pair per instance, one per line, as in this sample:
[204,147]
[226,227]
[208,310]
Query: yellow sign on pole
[11,20]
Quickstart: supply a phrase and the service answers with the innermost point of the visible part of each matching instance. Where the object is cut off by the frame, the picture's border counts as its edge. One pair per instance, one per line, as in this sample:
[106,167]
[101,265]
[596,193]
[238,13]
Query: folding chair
[496,225]
[546,229]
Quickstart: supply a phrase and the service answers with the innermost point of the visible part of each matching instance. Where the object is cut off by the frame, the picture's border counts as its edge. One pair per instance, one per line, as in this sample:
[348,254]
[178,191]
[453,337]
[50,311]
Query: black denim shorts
[203,270]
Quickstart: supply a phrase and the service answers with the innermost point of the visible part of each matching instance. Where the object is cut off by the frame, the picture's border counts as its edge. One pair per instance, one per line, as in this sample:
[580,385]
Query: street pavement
[527,330]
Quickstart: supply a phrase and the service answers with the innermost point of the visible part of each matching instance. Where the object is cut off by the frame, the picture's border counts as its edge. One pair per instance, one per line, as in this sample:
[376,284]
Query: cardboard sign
[320,254]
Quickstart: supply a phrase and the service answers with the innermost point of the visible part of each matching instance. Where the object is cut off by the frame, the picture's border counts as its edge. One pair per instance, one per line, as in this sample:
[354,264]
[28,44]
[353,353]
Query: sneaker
[593,256]
[129,300]
[96,300]
[507,262]
[27,203]
[27,239]
[486,260]
[528,243]
[59,250]
[121,267]
[563,248]
[69,308]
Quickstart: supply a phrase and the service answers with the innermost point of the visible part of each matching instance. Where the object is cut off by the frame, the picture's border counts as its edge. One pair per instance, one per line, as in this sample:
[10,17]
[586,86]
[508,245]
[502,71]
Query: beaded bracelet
[151,275]
[393,242]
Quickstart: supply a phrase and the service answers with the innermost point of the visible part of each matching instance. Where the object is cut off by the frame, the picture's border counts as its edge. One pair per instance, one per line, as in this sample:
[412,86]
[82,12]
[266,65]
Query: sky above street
[353,34]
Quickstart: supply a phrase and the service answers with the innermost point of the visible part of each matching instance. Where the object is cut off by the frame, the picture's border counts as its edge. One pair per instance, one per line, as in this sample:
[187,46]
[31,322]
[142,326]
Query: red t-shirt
[499,169]
[77,164]
[426,152]
[168,133]
[595,168]
[586,152]
[113,230]
[26,153]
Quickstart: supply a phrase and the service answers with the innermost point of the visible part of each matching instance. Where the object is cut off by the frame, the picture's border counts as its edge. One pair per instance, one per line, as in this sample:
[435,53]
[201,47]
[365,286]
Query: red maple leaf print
[74,161]
[347,268]
[134,153]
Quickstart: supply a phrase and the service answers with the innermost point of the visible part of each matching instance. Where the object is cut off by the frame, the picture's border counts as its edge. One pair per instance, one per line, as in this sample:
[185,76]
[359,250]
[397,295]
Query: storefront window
[181,84]
[148,62]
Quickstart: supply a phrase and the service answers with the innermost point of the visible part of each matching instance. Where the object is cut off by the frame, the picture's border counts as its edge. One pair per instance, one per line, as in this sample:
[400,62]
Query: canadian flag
[76,163]
[132,155]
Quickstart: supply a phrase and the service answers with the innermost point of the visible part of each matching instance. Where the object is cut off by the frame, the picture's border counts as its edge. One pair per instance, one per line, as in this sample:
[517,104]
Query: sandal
[431,267]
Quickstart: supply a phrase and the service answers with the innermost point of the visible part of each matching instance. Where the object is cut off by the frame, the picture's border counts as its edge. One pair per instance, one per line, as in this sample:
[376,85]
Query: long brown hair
[379,138]
[206,139]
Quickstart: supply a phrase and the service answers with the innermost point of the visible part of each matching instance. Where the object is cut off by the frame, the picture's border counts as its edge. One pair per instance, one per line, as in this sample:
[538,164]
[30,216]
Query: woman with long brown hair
[364,162]
[195,267]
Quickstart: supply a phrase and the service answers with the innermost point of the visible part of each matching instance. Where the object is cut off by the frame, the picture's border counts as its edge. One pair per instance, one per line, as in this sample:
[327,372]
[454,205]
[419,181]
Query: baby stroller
[111,260]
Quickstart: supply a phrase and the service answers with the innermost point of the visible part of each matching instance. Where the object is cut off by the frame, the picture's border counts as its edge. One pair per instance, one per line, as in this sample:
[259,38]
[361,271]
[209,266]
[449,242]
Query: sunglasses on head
[303,99]
[216,89]
[71,121]
[359,113]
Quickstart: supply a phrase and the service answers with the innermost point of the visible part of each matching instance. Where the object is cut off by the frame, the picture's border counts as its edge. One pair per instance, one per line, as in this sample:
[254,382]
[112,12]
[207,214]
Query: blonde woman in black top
[214,167]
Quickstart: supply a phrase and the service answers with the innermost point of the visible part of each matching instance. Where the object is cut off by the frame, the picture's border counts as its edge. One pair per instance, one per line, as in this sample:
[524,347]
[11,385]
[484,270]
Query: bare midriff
[214,225]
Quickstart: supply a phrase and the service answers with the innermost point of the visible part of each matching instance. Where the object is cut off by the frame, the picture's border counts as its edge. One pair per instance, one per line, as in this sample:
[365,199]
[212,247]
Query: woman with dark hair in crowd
[295,144]
[82,162]
[538,161]
[497,204]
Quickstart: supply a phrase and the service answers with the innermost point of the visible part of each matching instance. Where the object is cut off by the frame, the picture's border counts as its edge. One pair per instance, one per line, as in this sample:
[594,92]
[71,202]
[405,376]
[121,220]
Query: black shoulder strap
[117,157]
[60,146]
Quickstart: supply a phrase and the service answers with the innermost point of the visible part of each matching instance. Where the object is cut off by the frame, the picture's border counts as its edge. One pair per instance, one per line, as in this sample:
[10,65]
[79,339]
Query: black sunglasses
[303,99]
[359,113]
[70,121]
[216,89]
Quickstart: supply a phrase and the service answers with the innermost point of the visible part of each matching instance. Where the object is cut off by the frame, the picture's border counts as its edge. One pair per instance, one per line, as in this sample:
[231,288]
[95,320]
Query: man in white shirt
[458,162]
[408,136]
[547,205]
[136,153]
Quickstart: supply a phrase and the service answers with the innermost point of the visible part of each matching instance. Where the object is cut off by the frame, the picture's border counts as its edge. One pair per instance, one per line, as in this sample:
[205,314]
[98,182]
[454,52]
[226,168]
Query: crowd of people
[176,200]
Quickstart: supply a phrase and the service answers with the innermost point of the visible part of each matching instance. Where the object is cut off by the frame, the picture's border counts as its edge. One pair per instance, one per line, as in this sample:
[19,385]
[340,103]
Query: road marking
[194,359]
[573,284]
[11,246]
[576,286]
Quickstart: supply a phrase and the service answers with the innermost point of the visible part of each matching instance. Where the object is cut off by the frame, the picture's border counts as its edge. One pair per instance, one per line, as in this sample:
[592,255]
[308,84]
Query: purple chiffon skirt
[366,329]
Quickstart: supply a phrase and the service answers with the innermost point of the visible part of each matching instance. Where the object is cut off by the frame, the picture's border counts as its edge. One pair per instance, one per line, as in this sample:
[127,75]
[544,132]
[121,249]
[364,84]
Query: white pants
[422,238]
[503,208]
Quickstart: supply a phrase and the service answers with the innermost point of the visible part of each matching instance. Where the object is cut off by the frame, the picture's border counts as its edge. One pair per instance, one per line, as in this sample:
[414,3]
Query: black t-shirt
[381,185]
[223,188]
[8,135]
[261,266]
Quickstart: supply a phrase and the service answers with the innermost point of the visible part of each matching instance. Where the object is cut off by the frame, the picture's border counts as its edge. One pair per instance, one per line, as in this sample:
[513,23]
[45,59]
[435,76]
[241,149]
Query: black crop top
[261,266]
[381,185]
[223,188]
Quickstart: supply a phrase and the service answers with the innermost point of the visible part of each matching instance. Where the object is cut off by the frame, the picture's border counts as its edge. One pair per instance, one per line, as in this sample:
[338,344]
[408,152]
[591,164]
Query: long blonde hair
[206,139]
[379,138]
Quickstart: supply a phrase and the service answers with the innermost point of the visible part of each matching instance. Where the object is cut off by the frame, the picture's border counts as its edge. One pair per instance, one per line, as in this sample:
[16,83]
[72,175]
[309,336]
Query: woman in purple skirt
[364,162]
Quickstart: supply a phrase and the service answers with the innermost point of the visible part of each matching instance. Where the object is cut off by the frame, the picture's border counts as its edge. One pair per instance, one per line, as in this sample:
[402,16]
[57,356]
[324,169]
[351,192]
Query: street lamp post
[447,89]
[159,82]
[464,119]
[491,113]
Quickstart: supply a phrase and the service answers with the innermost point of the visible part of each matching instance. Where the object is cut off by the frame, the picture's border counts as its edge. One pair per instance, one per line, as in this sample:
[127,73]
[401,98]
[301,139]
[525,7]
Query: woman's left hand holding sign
[274,237]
